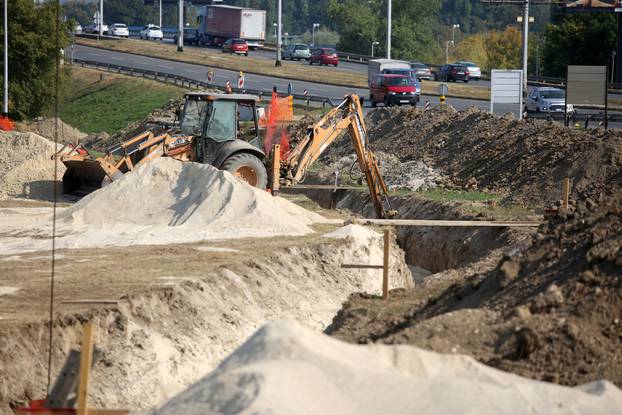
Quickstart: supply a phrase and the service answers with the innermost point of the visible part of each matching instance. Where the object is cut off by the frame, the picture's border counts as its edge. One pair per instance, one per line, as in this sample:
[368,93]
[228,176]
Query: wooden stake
[565,193]
[385,269]
[276,169]
[86,358]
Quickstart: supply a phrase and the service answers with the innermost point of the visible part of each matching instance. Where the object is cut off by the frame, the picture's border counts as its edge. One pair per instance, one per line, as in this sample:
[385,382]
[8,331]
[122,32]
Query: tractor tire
[247,168]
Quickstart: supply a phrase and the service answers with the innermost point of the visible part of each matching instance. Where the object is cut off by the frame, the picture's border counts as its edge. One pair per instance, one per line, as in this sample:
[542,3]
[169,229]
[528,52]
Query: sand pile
[45,127]
[26,167]
[550,311]
[287,369]
[525,160]
[166,201]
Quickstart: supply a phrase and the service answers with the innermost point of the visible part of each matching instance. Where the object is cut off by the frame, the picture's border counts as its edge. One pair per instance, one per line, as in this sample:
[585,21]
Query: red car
[393,90]
[235,46]
[324,56]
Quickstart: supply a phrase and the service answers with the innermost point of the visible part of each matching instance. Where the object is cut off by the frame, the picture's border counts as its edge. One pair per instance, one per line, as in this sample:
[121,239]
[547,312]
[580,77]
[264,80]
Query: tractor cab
[225,127]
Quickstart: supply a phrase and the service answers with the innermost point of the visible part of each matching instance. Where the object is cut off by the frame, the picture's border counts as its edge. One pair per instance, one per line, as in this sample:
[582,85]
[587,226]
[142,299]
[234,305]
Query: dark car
[452,73]
[239,46]
[391,89]
[191,36]
[422,70]
[324,56]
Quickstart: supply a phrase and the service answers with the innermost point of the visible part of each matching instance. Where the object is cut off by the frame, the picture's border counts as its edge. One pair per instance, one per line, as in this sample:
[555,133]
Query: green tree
[503,49]
[32,57]
[358,25]
[579,39]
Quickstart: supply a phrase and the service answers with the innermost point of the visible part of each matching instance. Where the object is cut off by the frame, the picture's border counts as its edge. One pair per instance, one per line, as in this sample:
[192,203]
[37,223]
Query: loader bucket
[82,176]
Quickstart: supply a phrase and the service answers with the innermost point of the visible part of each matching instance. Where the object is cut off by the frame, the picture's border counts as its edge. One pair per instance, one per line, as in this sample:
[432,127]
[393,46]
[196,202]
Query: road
[199,72]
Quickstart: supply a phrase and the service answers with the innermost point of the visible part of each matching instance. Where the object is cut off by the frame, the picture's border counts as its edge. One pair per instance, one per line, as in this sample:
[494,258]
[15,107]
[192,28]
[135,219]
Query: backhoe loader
[223,130]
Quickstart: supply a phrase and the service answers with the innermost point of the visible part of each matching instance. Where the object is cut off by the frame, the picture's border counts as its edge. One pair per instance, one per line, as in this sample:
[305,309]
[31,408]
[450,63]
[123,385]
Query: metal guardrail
[584,119]
[195,84]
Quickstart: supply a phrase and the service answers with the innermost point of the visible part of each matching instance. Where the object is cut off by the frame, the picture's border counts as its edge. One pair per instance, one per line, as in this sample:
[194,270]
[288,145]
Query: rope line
[56,99]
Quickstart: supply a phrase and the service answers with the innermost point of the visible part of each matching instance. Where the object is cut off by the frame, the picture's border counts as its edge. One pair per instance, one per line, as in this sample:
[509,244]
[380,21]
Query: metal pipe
[278,36]
[5,104]
[160,14]
[180,27]
[388,29]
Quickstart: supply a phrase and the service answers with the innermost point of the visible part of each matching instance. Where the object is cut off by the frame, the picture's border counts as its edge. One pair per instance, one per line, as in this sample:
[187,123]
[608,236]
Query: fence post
[385,265]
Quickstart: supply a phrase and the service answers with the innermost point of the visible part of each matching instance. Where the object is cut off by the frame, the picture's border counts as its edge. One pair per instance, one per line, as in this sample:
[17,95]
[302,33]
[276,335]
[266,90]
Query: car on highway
[474,71]
[77,29]
[94,28]
[191,36]
[151,31]
[391,89]
[237,46]
[411,73]
[547,99]
[297,52]
[422,70]
[453,73]
[324,56]
[119,30]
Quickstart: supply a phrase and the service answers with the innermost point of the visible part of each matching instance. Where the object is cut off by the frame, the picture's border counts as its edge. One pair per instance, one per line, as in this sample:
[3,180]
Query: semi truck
[217,23]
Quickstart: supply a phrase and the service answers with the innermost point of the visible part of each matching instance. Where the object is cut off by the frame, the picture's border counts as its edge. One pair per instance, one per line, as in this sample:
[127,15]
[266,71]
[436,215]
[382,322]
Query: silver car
[547,99]
[118,29]
[474,71]
[297,52]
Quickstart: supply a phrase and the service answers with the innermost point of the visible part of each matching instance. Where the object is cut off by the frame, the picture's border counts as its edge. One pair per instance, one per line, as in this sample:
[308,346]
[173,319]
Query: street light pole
[313,33]
[278,37]
[525,43]
[388,29]
[101,18]
[180,28]
[453,33]
[372,47]
[5,103]
[160,14]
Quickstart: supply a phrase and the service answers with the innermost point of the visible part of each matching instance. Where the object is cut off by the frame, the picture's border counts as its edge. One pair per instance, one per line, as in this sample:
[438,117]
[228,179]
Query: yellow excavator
[224,130]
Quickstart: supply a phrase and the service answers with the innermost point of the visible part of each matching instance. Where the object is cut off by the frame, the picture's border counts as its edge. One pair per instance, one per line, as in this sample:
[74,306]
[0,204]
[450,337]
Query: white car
[118,29]
[474,71]
[547,100]
[94,28]
[77,29]
[151,31]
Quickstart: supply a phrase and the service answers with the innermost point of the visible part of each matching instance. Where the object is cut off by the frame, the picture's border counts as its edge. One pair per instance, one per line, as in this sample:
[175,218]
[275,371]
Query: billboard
[594,5]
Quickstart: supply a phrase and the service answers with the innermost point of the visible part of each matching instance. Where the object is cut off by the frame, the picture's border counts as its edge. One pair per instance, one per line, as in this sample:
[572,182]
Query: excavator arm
[346,116]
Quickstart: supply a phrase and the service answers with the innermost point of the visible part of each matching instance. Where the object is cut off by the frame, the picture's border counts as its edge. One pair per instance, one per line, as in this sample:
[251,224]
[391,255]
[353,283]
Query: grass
[288,70]
[440,195]
[101,102]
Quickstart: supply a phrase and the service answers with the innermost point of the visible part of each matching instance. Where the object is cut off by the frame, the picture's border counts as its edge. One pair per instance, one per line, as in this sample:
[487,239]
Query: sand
[26,167]
[285,368]
[360,234]
[45,127]
[166,201]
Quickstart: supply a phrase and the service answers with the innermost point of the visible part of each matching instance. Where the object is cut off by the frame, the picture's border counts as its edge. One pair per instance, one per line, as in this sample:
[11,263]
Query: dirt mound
[45,127]
[525,160]
[287,369]
[157,121]
[552,311]
[165,201]
[26,167]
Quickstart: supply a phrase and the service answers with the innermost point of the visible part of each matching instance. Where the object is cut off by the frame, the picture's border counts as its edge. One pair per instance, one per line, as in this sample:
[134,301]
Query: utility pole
[388,29]
[101,18]
[278,36]
[180,28]
[525,43]
[5,103]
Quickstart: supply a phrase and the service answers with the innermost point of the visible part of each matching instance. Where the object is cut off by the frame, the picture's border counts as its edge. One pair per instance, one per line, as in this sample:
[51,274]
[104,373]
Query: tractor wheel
[248,168]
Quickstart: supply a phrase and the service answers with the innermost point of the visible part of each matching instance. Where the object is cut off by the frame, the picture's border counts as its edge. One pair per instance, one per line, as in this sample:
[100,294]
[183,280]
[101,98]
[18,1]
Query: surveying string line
[56,100]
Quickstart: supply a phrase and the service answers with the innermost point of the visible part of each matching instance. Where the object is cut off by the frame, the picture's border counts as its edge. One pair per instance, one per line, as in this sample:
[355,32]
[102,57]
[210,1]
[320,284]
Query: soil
[45,127]
[524,160]
[550,311]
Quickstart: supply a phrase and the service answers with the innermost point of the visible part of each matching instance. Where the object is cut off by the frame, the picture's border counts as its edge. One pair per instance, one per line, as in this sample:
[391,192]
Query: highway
[199,72]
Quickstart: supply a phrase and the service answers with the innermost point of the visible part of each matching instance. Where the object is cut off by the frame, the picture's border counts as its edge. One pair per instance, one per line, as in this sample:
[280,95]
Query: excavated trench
[432,248]
[158,340]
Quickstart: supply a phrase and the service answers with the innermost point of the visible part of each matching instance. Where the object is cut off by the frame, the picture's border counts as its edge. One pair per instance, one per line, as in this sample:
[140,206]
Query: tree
[32,57]
[503,49]
[579,39]
[358,26]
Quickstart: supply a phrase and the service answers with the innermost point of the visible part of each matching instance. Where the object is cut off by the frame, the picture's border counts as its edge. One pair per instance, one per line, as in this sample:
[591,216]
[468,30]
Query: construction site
[227,259]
